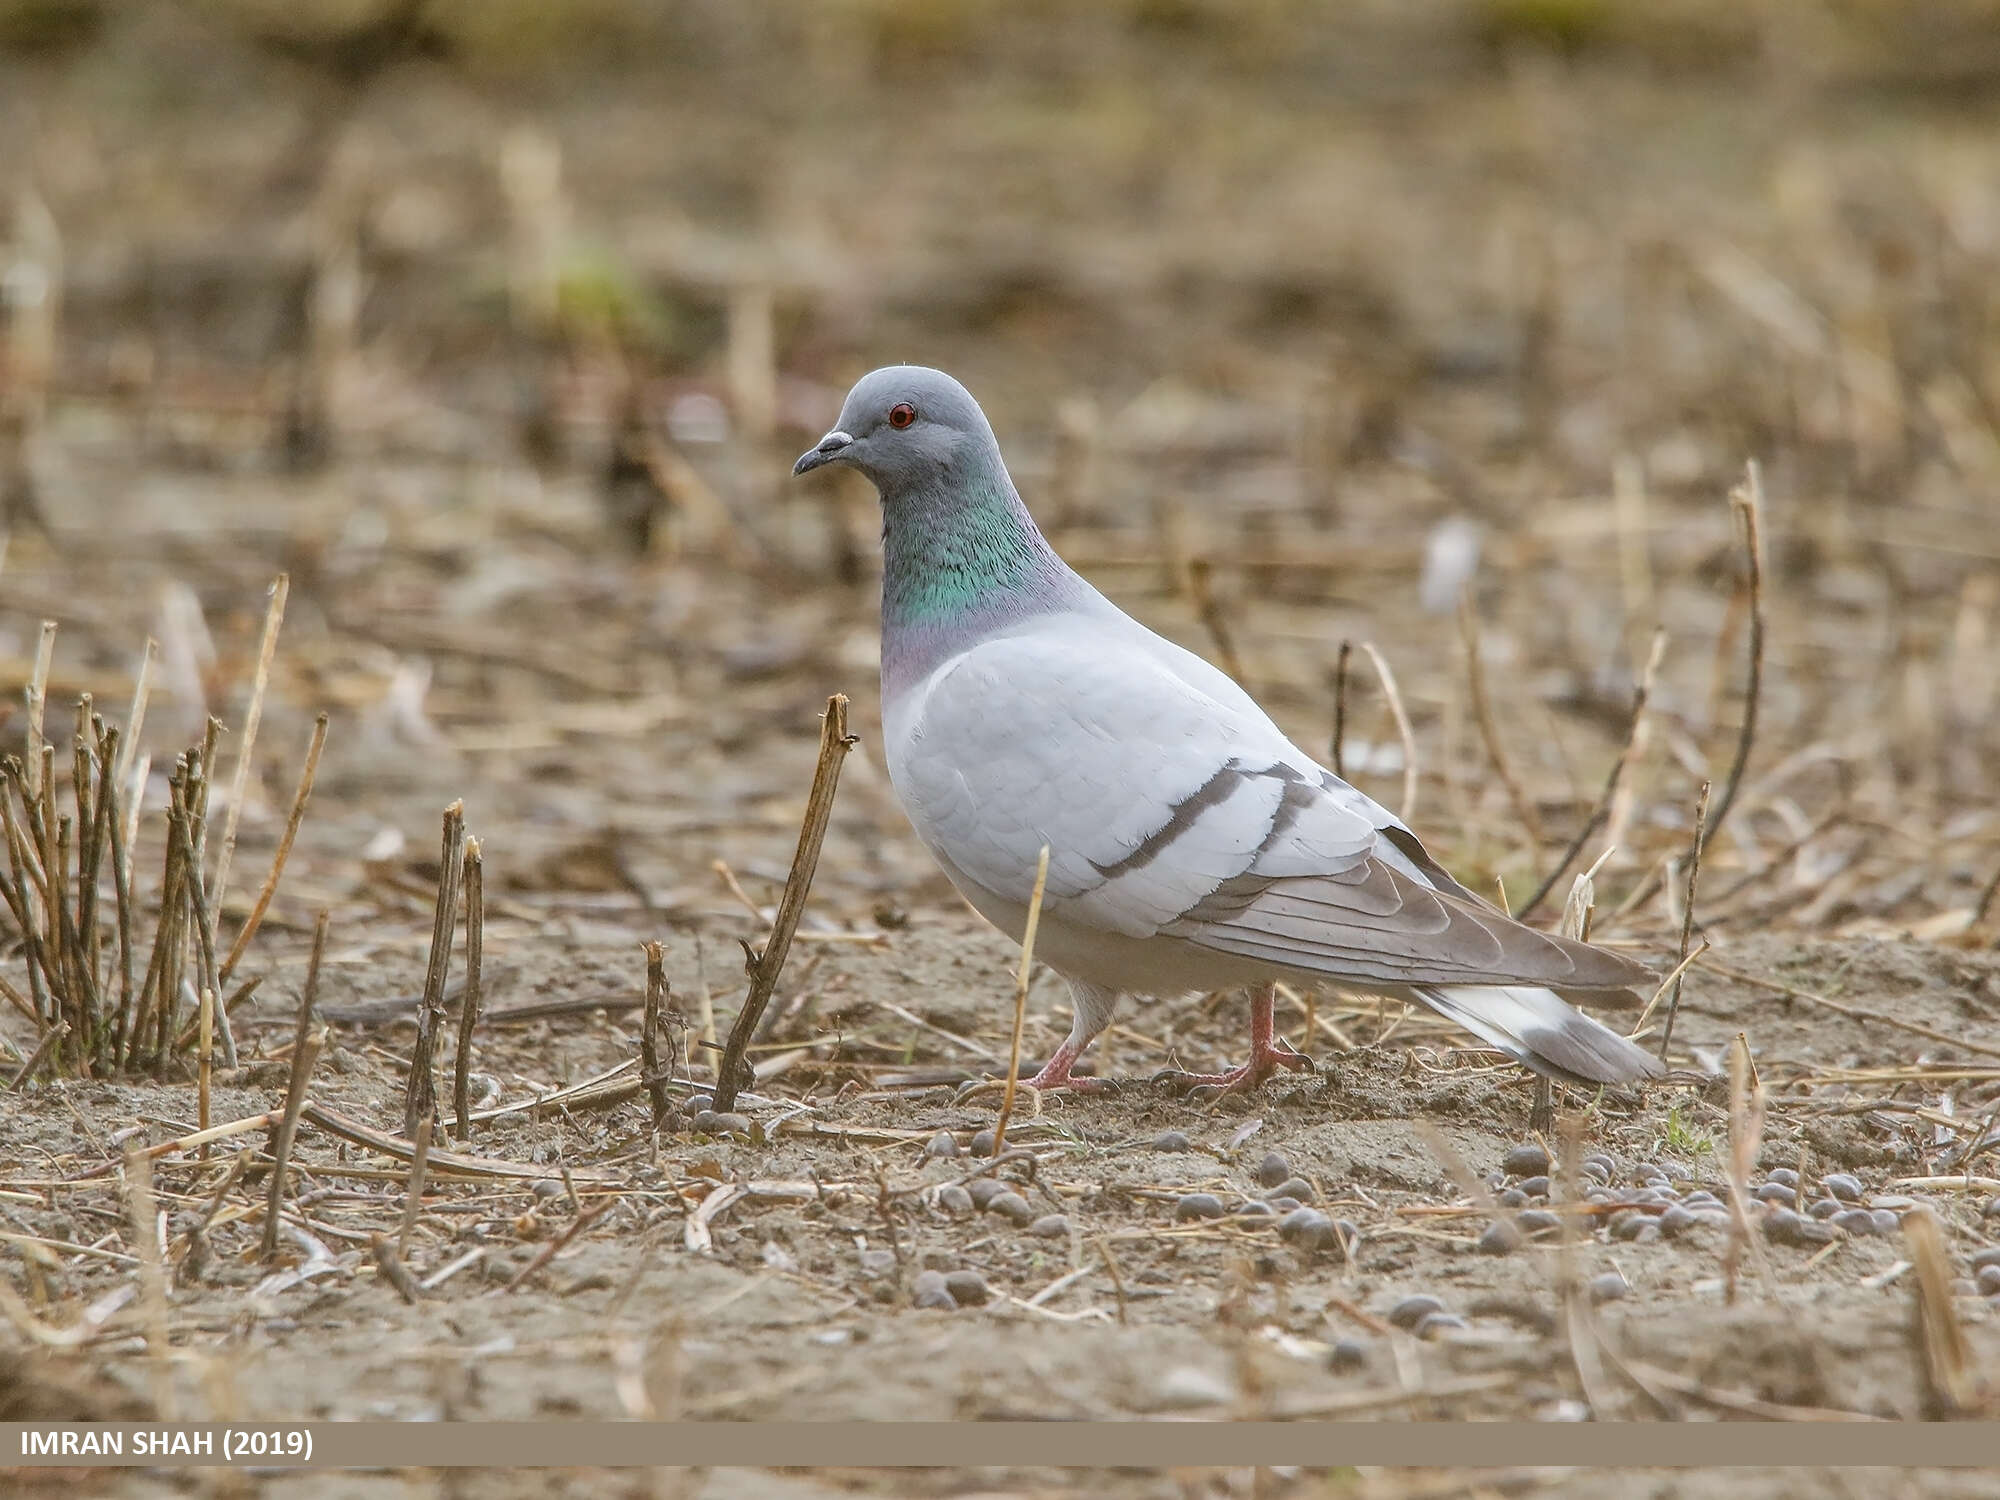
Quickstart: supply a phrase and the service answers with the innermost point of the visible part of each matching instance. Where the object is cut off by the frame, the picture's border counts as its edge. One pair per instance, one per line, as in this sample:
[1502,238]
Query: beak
[830,448]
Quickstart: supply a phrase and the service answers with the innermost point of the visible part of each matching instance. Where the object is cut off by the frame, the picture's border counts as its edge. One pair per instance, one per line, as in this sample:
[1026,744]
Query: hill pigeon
[1191,845]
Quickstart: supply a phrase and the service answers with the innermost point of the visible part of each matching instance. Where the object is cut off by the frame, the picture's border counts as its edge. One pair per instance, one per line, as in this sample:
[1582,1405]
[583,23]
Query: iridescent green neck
[961,558]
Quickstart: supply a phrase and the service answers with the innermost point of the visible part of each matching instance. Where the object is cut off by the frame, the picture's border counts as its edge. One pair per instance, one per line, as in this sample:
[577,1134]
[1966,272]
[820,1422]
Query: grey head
[908,427]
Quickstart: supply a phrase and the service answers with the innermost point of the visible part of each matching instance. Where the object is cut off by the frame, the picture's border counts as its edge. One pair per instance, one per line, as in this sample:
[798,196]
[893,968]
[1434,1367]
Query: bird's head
[904,426]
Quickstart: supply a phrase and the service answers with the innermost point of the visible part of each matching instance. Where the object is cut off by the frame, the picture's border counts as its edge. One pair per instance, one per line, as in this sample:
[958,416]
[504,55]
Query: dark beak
[830,448]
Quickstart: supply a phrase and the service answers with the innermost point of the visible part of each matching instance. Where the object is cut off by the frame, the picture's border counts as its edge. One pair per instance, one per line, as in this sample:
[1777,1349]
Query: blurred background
[495,325]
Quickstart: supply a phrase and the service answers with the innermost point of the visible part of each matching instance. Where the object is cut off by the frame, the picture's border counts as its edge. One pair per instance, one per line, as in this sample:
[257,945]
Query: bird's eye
[901,415]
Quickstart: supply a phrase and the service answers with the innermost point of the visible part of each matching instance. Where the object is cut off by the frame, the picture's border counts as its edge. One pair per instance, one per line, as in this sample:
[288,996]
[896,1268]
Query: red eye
[901,415]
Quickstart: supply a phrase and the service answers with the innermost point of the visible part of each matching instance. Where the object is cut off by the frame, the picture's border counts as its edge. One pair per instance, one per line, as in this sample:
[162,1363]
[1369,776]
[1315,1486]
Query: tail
[1538,1030]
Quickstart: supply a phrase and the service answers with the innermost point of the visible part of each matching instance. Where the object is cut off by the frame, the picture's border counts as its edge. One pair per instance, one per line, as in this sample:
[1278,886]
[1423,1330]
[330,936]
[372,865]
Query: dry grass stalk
[306,1045]
[152,1278]
[239,785]
[1746,1134]
[1021,975]
[1578,1325]
[1489,731]
[1407,809]
[1687,918]
[1747,502]
[38,695]
[473,1003]
[657,1067]
[1208,609]
[283,852]
[51,1039]
[204,1054]
[413,1191]
[420,1093]
[389,1261]
[1337,748]
[1640,695]
[1946,1366]
[834,743]
[442,1163]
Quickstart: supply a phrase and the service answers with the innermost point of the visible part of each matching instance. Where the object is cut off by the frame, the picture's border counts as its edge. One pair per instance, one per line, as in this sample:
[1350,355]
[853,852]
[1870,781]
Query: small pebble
[1843,1185]
[1512,1198]
[1776,1192]
[1990,1256]
[1855,1221]
[1992,1207]
[1826,1208]
[1646,1234]
[1610,1287]
[1172,1140]
[955,1201]
[548,1187]
[1886,1221]
[878,1262]
[1012,1207]
[1295,1187]
[1701,1198]
[1537,1221]
[1601,1159]
[1783,1175]
[1256,1208]
[1347,1354]
[1502,1237]
[981,1143]
[1198,1206]
[1894,1202]
[1525,1161]
[1346,1232]
[1676,1221]
[1307,1228]
[1272,1170]
[1651,1171]
[1536,1187]
[1281,1206]
[985,1189]
[1988,1281]
[1050,1227]
[941,1145]
[929,1289]
[1593,1172]
[1784,1227]
[1413,1310]
[967,1288]
[698,1104]
[1432,1324]
[1633,1227]
[1677,1171]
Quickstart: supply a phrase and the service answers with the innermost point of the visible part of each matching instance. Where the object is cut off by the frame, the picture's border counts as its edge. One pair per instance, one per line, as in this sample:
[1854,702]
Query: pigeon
[1191,845]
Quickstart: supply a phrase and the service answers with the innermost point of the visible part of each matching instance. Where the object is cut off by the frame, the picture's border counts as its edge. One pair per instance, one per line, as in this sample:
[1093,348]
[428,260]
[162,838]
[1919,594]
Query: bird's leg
[1268,1051]
[1091,1005]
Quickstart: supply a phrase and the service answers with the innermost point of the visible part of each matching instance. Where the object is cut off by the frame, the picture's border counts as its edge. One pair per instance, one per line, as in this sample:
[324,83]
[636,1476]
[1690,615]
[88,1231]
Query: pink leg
[1268,1052]
[1055,1072]
[1093,1006]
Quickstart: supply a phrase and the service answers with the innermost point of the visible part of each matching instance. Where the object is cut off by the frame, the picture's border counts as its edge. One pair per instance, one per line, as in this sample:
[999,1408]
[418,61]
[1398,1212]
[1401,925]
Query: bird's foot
[1054,1077]
[1264,1062]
